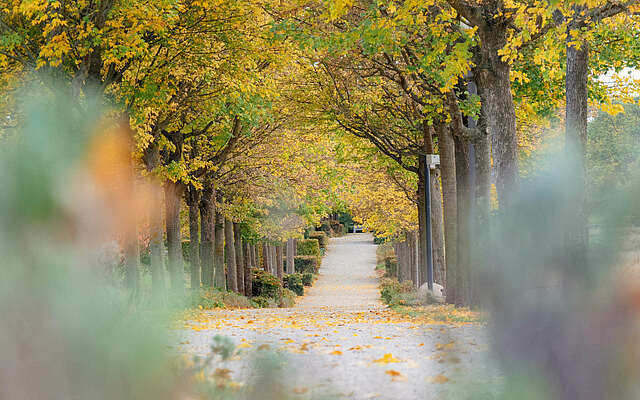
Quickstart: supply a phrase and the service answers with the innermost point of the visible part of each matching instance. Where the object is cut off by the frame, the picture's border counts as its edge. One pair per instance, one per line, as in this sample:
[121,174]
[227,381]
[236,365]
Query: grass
[444,313]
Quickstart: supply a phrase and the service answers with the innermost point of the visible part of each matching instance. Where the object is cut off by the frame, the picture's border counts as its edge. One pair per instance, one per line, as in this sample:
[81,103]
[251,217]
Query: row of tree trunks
[407,257]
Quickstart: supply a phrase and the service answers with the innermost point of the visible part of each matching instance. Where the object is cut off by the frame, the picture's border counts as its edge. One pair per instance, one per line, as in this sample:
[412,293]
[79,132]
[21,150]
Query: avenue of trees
[250,120]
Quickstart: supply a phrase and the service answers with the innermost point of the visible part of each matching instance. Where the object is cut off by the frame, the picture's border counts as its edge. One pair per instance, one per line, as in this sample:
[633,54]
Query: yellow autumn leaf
[439,379]
[387,359]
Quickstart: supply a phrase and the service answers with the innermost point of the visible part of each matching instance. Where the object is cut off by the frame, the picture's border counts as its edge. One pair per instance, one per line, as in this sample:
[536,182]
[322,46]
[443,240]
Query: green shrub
[308,247]
[325,227]
[216,298]
[265,284]
[185,249]
[287,299]
[294,283]
[396,293]
[323,239]
[264,302]
[307,278]
[391,266]
[305,264]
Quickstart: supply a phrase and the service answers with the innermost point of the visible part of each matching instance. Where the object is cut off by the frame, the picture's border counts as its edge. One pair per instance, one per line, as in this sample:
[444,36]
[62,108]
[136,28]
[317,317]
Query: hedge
[308,247]
[307,278]
[265,284]
[323,239]
[391,266]
[305,264]
[294,283]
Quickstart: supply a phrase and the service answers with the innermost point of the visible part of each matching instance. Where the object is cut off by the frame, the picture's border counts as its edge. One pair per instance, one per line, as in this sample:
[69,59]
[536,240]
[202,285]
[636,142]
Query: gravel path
[340,341]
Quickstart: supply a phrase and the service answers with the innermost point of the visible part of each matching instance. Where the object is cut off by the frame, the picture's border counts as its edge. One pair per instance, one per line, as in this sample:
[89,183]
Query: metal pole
[427,191]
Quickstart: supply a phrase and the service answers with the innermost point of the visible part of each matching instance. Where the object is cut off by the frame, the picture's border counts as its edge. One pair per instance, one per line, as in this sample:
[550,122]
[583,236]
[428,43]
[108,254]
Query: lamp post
[432,162]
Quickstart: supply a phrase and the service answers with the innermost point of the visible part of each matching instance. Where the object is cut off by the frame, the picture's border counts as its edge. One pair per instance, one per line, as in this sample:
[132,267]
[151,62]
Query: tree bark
[577,75]
[265,256]
[218,250]
[151,159]
[237,237]
[498,109]
[192,197]
[248,264]
[156,247]
[291,268]
[230,256]
[449,194]
[173,196]
[437,233]
[279,262]
[207,233]
[464,199]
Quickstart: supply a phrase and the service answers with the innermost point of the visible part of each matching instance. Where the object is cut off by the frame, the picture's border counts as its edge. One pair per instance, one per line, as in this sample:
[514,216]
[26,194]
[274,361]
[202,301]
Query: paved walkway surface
[340,341]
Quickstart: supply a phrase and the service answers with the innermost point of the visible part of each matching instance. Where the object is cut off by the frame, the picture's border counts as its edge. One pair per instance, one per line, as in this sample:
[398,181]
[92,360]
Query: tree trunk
[274,259]
[577,238]
[254,256]
[218,249]
[230,256]
[151,159]
[173,196]
[279,262]
[498,109]
[464,199]
[449,194]
[248,264]
[192,197]
[237,237]
[207,233]
[421,271]
[291,268]
[156,247]
[411,271]
[265,256]
[437,238]
[437,233]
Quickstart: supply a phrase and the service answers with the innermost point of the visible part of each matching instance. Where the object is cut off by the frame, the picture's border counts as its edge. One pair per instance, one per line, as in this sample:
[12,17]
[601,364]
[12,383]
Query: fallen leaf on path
[302,390]
[336,353]
[439,379]
[222,373]
[448,346]
[386,359]
[395,375]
